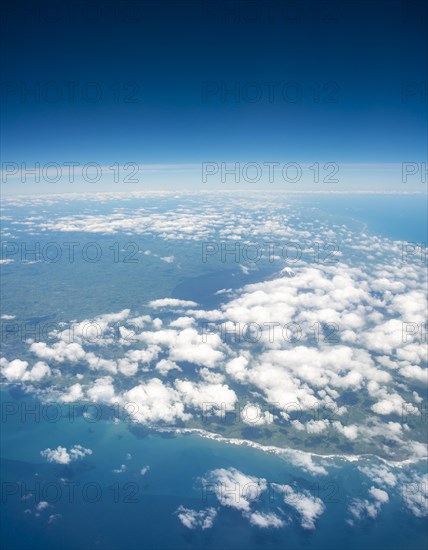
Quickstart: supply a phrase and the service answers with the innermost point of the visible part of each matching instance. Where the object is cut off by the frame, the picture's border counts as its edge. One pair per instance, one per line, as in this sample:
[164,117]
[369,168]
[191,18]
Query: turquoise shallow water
[136,511]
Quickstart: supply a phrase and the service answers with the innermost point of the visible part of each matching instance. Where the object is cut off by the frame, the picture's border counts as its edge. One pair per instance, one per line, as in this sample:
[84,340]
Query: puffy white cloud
[153,402]
[165,365]
[99,363]
[60,455]
[306,462]
[350,432]
[192,519]
[140,321]
[380,474]
[189,347]
[183,322]
[415,372]
[159,337]
[200,395]
[171,303]
[316,426]
[412,305]
[414,491]
[379,494]
[114,317]
[59,351]
[365,508]
[265,520]
[74,393]
[144,356]
[391,403]
[42,505]
[16,371]
[233,488]
[309,508]
[385,337]
[254,415]
[237,368]
[127,368]
[102,391]
[39,371]
[77,451]
[211,376]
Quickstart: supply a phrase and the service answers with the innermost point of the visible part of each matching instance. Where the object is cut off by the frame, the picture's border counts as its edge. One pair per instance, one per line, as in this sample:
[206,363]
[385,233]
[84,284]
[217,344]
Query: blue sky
[315,82]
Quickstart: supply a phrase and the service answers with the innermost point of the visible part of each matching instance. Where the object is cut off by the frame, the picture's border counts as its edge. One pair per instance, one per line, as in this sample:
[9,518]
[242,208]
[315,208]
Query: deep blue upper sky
[363,50]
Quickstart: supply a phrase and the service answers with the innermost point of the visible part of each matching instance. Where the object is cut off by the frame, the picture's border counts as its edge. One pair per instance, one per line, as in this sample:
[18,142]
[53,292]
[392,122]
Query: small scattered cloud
[192,519]
[60,455]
